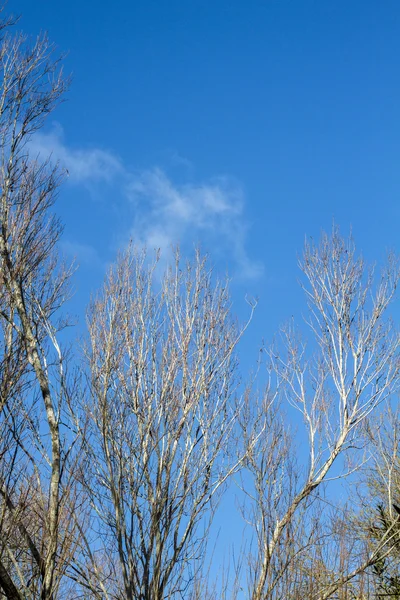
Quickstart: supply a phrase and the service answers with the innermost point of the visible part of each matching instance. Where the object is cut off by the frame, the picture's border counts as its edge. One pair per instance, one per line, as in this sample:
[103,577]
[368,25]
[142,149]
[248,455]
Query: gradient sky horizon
[242,126]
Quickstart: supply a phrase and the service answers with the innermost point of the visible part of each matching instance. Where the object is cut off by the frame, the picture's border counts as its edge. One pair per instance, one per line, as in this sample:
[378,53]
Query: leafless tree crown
[110,480]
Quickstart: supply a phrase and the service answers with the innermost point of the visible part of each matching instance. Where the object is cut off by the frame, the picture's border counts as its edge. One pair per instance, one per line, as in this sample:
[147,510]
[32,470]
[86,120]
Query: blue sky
[244,126]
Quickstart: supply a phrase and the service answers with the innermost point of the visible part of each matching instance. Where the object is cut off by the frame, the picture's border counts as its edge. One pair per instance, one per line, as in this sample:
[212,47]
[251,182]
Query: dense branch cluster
[114,459]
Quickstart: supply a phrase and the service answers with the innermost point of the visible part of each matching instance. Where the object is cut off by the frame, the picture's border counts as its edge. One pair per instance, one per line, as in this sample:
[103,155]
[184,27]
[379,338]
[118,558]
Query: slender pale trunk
[34,358]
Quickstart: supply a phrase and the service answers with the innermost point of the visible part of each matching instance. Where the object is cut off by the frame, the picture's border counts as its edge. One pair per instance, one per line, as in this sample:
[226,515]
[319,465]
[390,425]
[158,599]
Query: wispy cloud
[82,165]
[166,213]
[210,213]
[83,253]
[177,160]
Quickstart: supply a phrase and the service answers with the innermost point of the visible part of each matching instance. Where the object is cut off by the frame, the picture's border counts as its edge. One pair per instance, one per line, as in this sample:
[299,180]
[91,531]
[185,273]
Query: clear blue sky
[286,111]
[242,125]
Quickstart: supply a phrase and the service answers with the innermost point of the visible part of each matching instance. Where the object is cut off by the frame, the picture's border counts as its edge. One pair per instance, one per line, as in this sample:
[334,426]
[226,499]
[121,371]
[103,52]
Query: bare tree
[113,496]
[351,367]
[379,500]
[162,378]
[33,287]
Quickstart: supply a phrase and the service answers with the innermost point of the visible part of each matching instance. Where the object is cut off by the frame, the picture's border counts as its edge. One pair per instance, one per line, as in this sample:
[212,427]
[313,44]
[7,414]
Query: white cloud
[83,253]
[82,165]
[177,160]
[208,213]
[166,213]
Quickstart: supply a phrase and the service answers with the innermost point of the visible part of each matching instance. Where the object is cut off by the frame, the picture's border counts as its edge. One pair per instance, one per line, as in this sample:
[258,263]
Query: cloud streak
[83,253]
[210,213]
[81,165]
[165,213]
